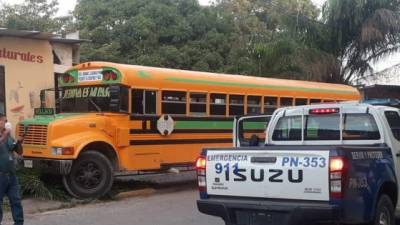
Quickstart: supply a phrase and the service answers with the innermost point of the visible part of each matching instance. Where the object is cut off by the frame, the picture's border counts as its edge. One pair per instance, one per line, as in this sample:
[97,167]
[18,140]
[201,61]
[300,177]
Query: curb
[135,193]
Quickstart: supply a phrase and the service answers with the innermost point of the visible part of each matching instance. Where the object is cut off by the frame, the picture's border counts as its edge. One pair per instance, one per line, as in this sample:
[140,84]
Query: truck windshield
[327,127]
[89,99]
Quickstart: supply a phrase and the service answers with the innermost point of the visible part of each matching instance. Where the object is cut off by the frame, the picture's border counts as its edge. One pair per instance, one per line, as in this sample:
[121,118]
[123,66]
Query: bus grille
[35,134]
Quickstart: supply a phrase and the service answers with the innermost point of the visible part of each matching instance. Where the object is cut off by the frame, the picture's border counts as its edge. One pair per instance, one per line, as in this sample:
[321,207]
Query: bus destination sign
[90,75]
[84,92]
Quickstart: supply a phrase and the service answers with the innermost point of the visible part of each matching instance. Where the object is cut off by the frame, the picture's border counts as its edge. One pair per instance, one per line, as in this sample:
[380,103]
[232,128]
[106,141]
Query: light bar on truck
[324,111]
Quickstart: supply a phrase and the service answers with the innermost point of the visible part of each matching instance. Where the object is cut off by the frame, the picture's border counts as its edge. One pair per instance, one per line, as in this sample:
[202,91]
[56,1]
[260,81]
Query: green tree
[282,38]
[37,15]
[171,33]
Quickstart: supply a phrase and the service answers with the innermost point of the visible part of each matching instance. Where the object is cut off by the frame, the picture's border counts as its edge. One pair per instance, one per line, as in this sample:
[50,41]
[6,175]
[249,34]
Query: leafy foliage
[35,15]
[361,32]
[35,185]
[279,38]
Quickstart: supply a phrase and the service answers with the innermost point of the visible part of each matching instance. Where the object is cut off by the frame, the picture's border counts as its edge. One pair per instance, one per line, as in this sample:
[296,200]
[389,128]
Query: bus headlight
[62,150]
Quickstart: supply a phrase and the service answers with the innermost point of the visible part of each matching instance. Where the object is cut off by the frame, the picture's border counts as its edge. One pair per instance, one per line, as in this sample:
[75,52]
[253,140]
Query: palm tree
[361,32]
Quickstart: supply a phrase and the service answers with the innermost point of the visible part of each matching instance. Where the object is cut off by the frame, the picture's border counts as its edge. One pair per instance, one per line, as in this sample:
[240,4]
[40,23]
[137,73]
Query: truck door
[250,130]
[393,119]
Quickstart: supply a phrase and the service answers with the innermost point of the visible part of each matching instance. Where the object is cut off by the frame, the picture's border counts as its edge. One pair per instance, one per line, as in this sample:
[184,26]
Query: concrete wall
[29,68]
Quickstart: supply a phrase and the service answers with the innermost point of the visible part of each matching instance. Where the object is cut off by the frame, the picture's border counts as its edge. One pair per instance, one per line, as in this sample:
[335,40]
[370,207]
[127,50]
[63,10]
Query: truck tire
[384,213]
[91,176]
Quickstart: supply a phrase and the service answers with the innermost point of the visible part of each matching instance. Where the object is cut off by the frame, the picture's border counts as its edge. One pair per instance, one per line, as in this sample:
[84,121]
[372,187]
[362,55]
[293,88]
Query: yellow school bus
[114,118]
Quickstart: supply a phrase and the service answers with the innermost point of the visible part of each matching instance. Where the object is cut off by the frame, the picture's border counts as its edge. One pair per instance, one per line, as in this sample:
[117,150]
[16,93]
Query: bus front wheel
[91,176]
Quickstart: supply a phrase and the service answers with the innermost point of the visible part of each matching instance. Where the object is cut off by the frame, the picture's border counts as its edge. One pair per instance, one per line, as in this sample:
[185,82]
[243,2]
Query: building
[29,62]
[379,91]
[383,85]
[389,76]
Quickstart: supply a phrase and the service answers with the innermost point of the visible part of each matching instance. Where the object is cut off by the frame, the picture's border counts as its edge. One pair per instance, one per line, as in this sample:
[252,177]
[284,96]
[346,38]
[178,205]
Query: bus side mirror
[42,98]
[115,92]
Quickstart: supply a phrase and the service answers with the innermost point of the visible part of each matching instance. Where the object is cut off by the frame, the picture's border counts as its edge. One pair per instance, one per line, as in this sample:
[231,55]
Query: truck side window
[393,119]
[288,129]
[360,127]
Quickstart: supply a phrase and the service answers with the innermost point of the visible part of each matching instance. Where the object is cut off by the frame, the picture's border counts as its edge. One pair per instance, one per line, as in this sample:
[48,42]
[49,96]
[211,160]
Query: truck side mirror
[115,101]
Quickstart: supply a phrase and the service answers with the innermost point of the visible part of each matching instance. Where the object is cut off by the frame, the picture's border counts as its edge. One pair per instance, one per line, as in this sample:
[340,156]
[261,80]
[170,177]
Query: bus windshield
[79,99]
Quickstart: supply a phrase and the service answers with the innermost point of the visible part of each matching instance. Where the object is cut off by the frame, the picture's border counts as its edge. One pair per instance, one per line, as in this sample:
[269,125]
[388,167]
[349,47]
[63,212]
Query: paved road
[169,205]
[175,208]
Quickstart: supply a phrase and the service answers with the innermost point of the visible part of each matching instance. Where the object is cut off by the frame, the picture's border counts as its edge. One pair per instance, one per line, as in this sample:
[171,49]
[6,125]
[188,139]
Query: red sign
[22,56]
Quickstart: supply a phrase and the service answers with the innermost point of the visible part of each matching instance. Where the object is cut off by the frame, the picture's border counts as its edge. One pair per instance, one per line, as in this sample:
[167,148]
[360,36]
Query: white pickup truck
[319,164]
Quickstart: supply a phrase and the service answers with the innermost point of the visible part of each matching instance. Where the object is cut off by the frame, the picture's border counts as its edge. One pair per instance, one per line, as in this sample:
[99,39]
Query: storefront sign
[20,56]
[84,92]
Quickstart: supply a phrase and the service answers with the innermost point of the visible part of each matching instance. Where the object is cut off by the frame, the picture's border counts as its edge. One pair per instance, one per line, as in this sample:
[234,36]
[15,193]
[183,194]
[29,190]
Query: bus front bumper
[51,166]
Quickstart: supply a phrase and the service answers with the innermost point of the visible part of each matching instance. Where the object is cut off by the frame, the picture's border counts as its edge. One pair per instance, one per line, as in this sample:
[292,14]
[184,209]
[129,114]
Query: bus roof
[173,79]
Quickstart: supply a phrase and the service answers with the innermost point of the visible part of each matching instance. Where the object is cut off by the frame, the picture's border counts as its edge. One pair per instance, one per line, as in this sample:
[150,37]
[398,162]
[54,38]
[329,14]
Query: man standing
[8,180]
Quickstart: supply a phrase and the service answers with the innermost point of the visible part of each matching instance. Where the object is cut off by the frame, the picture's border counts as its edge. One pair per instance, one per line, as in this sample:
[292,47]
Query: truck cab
[333,163]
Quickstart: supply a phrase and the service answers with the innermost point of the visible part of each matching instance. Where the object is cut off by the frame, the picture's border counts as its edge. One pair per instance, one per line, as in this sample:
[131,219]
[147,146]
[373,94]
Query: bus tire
[91,176]
[384,212]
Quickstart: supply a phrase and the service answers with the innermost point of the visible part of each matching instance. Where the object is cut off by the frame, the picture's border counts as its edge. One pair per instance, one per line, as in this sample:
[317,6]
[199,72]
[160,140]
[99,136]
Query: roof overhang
[5,32]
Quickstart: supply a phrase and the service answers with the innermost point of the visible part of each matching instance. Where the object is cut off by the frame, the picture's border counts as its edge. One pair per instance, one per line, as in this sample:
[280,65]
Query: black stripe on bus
[143,117]
[254,131]
[141,131]
[203,118]
[180,118]
[196,131]
[183,131]
[177,141]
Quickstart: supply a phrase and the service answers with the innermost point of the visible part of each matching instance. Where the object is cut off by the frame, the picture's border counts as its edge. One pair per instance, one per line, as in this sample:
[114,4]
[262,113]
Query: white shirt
[8,126]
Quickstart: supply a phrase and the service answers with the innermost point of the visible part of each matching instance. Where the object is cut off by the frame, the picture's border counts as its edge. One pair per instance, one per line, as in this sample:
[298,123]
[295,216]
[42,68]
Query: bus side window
[315,101]
[144,101]
[198,103]
[285,101]
[137,101]
[174,102]
[124,107]
[270,104]
[301,101]
[236,105]
[253,104]
[218,104]
[150,102]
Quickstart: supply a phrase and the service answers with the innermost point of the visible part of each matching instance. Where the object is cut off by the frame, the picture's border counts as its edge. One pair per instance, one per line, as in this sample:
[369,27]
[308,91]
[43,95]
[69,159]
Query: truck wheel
[384,214]
[91,176]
